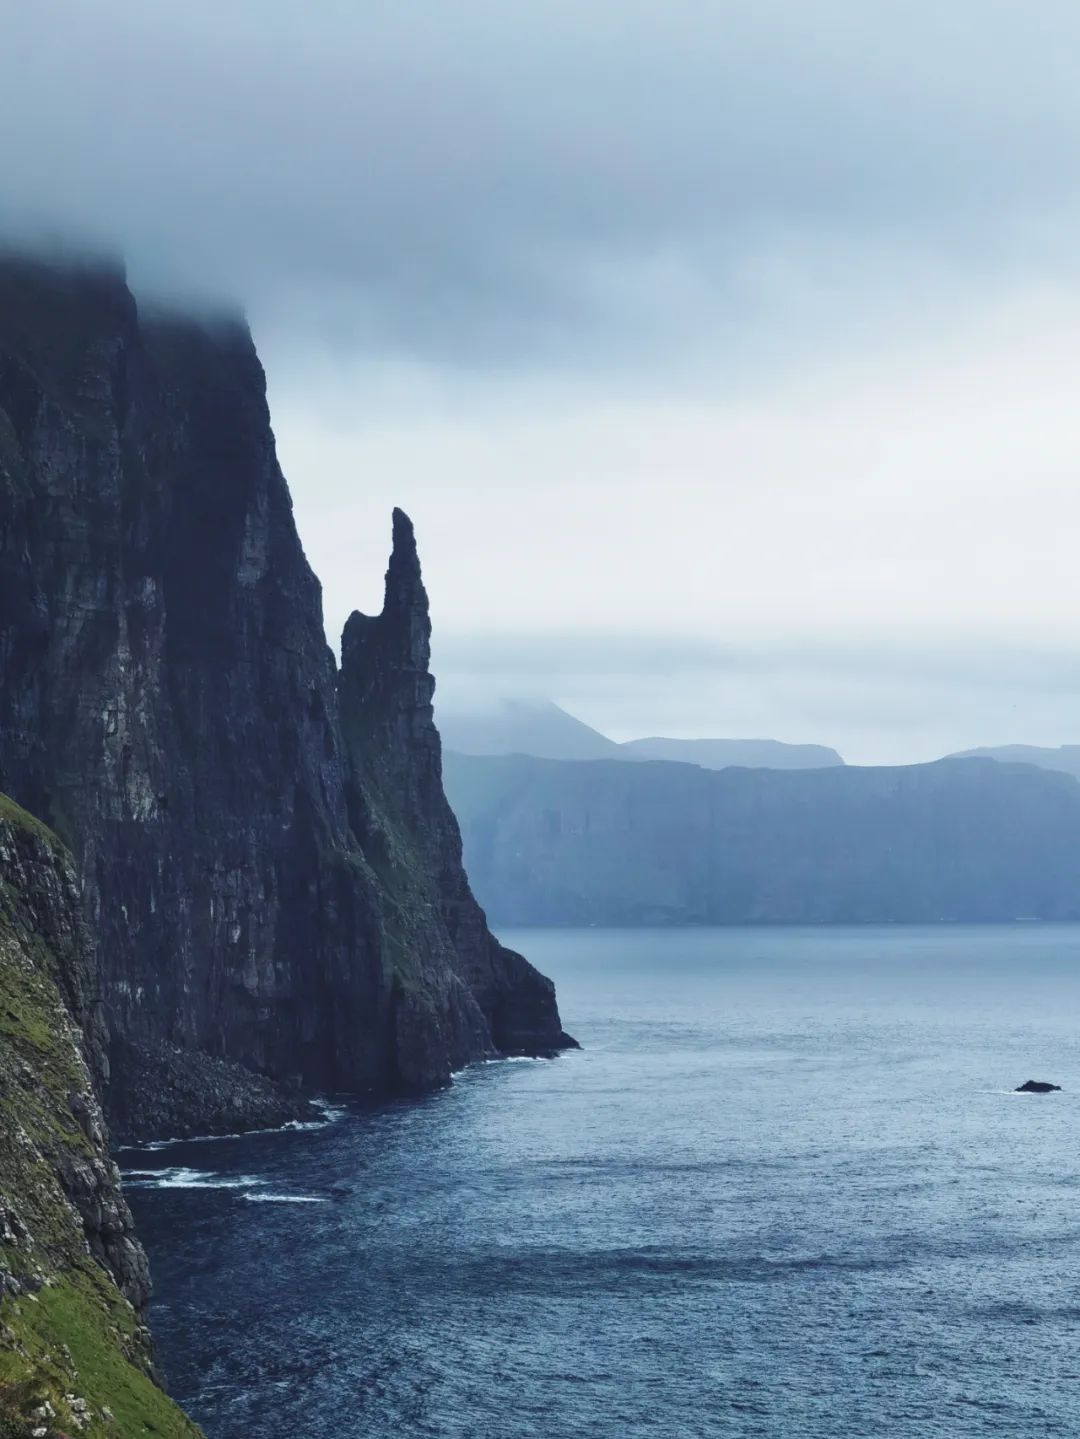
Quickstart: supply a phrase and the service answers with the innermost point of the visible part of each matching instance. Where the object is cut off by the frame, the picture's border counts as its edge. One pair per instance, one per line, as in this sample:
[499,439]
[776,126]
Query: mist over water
[784,1190]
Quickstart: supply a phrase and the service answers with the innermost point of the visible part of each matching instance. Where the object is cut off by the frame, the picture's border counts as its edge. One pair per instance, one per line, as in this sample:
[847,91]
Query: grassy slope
[66,1333]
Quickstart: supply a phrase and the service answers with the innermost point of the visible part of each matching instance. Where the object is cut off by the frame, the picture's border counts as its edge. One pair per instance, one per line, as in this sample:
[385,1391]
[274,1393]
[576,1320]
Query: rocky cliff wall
[74,1352]
[169,703]
[488,996]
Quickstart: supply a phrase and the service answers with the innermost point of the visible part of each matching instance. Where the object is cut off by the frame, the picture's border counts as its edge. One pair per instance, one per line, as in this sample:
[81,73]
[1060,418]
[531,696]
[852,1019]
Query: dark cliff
[169,703]
[74,1352]
[593,842]
[459,991]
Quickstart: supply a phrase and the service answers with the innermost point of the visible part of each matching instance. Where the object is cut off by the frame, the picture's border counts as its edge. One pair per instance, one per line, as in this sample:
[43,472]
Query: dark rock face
[49,991]
[488,998]
[168,702]
[1036,1086]
[161,1091]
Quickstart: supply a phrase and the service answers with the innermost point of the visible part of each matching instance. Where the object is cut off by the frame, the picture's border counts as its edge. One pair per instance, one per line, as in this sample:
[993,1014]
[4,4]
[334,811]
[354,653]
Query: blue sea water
[784,1190]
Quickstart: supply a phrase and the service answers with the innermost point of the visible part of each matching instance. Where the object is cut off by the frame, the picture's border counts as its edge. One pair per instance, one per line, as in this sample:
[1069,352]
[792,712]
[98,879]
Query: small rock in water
[1035,1086]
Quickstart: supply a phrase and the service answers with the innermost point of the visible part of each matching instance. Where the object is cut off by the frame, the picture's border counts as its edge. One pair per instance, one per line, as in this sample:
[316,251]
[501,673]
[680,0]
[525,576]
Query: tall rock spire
[385,677]
[405,619]
[399,810]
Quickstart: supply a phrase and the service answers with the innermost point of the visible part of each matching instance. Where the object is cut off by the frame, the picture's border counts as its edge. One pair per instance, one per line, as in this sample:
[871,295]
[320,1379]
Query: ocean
[785,1189]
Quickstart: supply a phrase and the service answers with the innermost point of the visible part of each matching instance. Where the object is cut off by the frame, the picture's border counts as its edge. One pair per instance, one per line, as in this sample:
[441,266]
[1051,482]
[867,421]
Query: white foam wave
[180,1177]
[475,1064]
[285,1198]
[331,1113]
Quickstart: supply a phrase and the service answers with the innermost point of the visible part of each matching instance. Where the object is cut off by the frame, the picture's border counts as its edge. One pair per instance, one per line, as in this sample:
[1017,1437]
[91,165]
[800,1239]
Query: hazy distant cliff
[729,753]
[169,703]
[1064,757]
[596,842]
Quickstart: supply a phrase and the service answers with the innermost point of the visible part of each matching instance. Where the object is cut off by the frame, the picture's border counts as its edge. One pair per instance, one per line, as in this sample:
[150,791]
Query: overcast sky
[726,355]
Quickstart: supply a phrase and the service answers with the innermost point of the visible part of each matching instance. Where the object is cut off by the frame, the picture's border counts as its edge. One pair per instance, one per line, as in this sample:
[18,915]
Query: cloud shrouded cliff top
[481,182]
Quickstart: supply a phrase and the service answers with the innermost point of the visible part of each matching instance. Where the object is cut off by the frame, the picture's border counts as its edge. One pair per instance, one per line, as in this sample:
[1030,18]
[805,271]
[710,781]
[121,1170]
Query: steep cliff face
[169,703]
[74,1353]
[487,997]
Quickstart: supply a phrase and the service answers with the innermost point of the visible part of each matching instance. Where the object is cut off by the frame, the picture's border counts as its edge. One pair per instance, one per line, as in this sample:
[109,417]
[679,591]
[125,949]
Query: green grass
[40,1065]
[76,1337]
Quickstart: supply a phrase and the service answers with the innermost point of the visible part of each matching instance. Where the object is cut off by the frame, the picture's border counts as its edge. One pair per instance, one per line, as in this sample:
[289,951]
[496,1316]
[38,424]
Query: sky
[724,355]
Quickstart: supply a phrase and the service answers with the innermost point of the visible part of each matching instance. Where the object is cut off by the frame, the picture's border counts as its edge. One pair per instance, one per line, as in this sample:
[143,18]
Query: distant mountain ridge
[515,726]
[1065,758]
[724,753]
[546,731]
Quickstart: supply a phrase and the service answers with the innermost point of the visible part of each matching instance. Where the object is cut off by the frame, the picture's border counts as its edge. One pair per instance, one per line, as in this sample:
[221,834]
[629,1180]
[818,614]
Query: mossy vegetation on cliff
[74,1352]
[14,814]
[71,1361]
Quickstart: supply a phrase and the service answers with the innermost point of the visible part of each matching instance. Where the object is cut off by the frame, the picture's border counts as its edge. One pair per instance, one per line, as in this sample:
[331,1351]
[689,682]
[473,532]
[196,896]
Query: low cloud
[485,184]
[877,704]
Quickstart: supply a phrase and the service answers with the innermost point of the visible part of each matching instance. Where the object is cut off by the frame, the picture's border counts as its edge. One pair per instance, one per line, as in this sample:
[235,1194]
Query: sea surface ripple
[784,1190]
